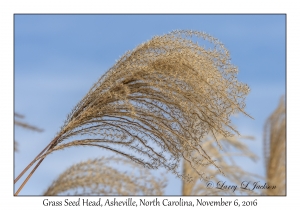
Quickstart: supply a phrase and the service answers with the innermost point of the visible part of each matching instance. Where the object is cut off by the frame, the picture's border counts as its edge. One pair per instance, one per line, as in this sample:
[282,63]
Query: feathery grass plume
[235,175]
[153,102]
[275,150]
[103,177]
[23,125]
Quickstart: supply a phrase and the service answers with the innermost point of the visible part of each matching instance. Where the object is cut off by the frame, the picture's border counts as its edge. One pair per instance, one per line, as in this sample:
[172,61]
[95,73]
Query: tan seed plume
[103,176]
[275,150]
[157,102]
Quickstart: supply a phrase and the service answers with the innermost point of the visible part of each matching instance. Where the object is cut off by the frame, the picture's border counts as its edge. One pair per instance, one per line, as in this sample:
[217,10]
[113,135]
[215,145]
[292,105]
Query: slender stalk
[28,177]
[30,164]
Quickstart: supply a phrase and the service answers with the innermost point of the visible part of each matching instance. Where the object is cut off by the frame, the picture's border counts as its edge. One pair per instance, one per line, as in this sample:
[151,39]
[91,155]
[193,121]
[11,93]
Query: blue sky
[59,57]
